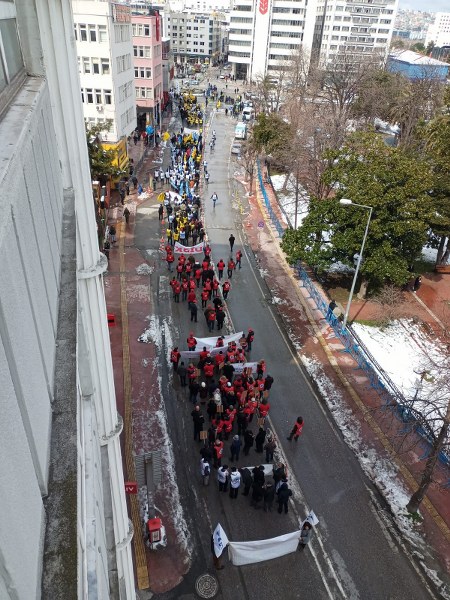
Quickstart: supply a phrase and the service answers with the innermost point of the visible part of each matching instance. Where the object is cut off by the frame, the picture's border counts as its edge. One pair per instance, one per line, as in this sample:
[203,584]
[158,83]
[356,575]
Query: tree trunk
[440,252]
[446,253]
[419,494]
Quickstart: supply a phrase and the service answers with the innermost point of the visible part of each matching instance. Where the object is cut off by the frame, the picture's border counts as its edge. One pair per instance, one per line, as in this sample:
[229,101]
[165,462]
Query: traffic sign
[261,224]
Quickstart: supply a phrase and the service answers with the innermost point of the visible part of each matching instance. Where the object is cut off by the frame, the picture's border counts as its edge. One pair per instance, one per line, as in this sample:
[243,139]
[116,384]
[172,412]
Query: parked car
[236,148]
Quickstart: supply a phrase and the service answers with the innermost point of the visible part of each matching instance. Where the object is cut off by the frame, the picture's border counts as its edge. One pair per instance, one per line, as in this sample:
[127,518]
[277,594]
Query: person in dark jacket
[257,494]
[211,409]
[269,496]
[248,441]
[247,480]
[284,493]
[259,440]
[182,372]
[270,449]
[194,388]
[235,448]
[198,420]
[242,421]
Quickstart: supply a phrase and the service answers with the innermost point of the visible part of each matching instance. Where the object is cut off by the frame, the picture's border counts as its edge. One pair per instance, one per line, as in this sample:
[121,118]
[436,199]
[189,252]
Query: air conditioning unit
[99,107]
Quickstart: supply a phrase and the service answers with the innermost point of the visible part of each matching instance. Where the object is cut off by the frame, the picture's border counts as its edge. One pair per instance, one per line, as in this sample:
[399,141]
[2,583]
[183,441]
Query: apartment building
[105,64]
[64,526]
[148,70]
[263,34]
[195,37]
[439,32]
[358,29]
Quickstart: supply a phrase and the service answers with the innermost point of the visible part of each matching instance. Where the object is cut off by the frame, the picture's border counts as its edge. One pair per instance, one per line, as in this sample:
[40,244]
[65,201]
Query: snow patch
[277,300]
[144,269]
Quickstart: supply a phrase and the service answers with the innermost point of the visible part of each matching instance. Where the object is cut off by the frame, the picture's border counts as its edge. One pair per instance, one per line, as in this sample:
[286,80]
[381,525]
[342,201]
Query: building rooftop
[414,58]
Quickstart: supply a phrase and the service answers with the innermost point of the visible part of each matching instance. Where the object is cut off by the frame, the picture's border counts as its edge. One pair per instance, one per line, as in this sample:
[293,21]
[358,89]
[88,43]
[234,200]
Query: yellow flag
[161,197]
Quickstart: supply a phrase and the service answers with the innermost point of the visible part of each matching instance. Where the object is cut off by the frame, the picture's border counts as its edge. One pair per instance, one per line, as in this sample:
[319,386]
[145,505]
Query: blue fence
[273,217]
[379,380]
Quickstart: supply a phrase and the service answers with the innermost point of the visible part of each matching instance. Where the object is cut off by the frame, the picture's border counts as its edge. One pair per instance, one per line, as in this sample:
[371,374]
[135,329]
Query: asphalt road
[355,552]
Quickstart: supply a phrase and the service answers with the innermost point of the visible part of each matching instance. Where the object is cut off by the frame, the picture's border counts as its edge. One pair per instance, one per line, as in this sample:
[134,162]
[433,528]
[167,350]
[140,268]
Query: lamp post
[348,202]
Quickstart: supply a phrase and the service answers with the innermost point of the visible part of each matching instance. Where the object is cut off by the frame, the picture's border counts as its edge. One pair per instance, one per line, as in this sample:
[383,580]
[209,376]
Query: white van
[248,113]
[240,133]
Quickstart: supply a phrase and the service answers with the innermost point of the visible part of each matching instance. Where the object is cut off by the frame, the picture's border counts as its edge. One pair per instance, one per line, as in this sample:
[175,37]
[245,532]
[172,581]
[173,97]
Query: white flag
[220,540]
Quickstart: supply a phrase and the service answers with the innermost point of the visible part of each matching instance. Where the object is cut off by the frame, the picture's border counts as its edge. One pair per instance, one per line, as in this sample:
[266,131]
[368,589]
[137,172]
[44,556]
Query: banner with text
[179,249]
[245,553]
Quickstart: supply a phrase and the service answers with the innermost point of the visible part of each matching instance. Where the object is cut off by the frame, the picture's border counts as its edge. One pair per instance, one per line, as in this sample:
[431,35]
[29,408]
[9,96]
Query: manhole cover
[206,586]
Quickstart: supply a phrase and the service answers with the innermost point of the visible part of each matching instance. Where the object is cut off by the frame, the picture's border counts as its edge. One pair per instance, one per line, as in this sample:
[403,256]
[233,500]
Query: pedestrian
[175,356]
[259,440]
[296,430]
[106,248]
[126,214]
[191,342]
[198,420]
[222,478]
[194,310]
[417,283]
[235,482]
[257,494]
[248,441]
[283,495]
[218,453]
[230,268]
[194,388]
[214,198]
[220,316]
[211,320]
[250,338]
[231,239]
[207,178]
[220,268]
[247,480]
[226,287]
[216,559]
[305,536]
[182,372]
[112,234]
[235,448]
[205,470]
[170,259]
[238,258]
[270,449]
[269,496]
[279,473]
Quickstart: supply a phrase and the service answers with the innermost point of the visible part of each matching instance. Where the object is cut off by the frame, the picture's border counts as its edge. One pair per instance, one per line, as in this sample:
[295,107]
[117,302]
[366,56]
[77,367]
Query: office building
[439,32]
[195,37]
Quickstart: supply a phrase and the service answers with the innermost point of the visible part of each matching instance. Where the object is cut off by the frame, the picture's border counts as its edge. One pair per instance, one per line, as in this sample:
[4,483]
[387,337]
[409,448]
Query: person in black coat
[211,409]
[269,496]
[248,441]
[198,420]
[260,439]
[247,480]
[284,493]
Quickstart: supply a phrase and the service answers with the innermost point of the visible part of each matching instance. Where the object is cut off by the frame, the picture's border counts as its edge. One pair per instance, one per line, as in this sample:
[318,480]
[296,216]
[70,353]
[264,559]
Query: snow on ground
[144,269]
[403,350]
[429,254]
[286,198]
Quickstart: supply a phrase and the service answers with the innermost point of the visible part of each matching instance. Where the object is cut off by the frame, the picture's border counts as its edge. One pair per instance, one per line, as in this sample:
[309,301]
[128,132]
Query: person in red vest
[182,259]
[250,338]
[184,289]
[219,358]
[238,258]
[297,429]
[191,297]
[198,275]
[208,287]
[260,385]
[203,354]
[218,453]
[170,259]
[226,287]
[207,250]
[211,320]
[231,267]
[205,264]
[192,284]
[220,268]
[175,356]
[208,370]
[176,291]
[205,296]
[219,343]
[192,372]
[188,268]
[263,409]
[215,287]
[180,269]
[191,342]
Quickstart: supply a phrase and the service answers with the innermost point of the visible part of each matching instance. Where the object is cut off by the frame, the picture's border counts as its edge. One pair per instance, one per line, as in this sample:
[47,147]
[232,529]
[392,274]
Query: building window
[96,66]
[83,33]
[136,72]
[98,96]
[147,30]
[102,34]
[89,96]
[92,33]
[82,96]
[108,96]
[105,66]
[86,65]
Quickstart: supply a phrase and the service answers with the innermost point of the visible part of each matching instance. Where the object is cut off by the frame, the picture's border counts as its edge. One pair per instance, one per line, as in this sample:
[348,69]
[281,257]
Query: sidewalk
[336,374]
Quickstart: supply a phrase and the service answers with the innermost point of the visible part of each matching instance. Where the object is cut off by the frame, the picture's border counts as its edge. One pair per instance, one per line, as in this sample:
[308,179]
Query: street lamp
[348,202]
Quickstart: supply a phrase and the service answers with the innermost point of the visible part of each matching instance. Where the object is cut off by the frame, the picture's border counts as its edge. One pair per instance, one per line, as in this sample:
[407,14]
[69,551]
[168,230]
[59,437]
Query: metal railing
[279,226]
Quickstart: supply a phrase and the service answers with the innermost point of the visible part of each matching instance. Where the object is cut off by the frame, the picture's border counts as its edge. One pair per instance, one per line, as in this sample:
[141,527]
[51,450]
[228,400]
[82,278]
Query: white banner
[239,367]
[220,540]
[179,249]
[210,344]
[245,553]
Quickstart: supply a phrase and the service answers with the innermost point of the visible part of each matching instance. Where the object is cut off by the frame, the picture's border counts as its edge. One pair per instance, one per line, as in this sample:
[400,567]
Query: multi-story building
[147,60]
[64,528]
[439,32]
[358,29]
[168,68]
[105,63]
[195,37]
[264,33]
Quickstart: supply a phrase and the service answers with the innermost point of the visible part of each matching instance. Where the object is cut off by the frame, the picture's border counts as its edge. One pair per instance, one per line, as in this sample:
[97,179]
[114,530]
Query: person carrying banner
[305,536]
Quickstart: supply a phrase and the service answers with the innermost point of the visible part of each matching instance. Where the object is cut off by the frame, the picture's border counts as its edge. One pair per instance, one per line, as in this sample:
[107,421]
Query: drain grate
[206,586]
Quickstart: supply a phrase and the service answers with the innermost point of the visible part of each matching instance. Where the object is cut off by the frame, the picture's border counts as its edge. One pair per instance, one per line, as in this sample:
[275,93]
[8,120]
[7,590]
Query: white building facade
[105,63]
[64,529]
[439,32]
[195,37]
[360,29]
[264,33]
